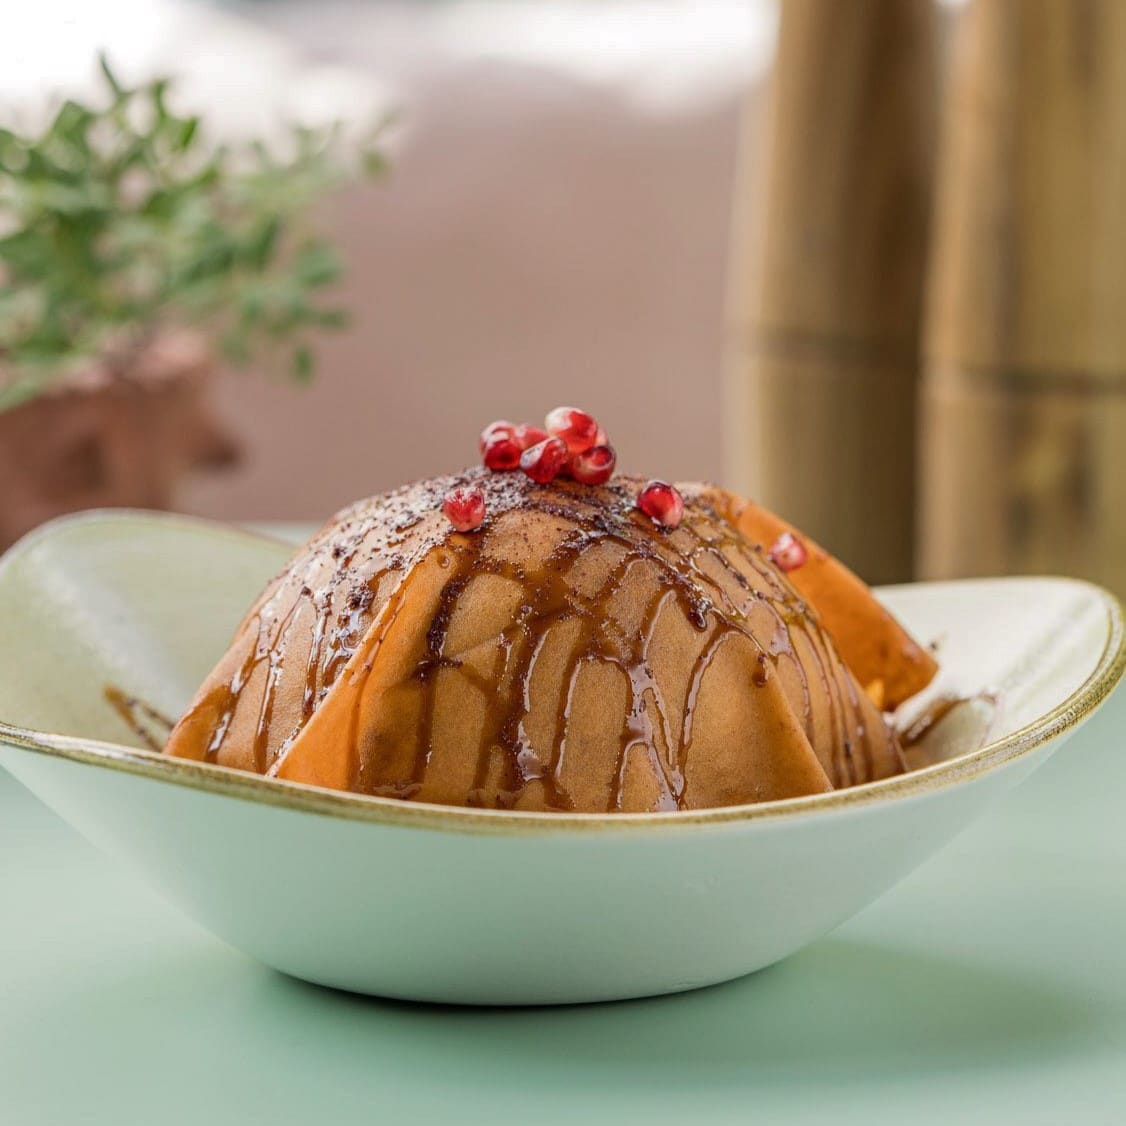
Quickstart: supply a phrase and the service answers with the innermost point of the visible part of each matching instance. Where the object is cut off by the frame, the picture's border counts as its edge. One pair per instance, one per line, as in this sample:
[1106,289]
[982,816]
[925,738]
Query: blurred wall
[551,233]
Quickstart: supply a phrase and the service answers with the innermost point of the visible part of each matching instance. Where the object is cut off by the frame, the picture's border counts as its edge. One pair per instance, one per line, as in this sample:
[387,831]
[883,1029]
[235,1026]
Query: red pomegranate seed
[661,503]
[527,436]
[788,552]
[594,466]
[501,452]
[499,429]
[464,507]
[544,461]
[574,426]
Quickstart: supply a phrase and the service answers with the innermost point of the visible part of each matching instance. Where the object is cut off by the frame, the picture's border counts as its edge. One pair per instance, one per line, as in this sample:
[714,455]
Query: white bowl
[479,906]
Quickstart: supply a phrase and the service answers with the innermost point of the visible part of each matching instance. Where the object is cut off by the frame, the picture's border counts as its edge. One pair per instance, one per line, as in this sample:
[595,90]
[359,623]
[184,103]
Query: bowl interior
[139,602]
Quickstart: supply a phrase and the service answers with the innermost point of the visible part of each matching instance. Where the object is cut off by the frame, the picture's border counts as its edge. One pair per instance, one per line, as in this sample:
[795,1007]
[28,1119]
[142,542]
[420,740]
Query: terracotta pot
[111,440]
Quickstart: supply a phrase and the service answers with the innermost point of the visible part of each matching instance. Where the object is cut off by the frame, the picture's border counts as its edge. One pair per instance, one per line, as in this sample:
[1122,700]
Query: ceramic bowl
[478,906]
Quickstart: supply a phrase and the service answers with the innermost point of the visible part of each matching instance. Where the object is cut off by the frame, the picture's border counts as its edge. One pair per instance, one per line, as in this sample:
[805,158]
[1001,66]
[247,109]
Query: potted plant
[134,257]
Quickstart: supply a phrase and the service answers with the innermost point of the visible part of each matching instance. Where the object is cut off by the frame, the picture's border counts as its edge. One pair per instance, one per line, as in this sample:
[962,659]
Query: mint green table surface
[989,987]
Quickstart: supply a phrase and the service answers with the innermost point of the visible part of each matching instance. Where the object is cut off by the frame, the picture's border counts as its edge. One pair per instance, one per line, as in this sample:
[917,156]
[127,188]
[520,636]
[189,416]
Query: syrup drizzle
[145,721]
[355,567]
[921,727]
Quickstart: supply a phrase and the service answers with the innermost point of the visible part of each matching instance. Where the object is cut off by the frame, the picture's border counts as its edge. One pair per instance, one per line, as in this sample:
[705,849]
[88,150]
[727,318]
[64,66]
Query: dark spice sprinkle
[363,550]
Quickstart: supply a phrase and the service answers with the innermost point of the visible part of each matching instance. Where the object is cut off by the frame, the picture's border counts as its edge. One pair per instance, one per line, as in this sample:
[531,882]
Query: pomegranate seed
[501,453]
[498,429]
[464,508]
[788,552]
[543,461]
[594,466]
[661,503]
[600,438]
[526,436]
[574,426]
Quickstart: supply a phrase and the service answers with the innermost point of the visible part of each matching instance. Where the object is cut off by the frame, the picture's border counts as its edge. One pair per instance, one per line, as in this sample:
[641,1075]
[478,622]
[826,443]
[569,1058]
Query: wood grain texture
[828,276]
[1024,399]
[1030,223]
[1025,476]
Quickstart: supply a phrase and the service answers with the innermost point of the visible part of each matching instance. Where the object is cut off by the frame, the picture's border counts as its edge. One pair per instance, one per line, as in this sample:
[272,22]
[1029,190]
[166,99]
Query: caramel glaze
[151,726]
[938,709]
[313,618]
[941,707]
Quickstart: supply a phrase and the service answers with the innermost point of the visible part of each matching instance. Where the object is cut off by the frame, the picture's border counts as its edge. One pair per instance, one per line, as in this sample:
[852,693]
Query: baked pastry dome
[568,655]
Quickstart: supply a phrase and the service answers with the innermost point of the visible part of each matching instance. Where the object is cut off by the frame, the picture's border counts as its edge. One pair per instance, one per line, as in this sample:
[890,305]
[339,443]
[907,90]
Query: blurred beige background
[555,230]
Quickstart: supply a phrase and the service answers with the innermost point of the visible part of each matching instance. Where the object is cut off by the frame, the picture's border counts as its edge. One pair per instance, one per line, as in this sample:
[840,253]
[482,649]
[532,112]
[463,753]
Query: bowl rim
[299,797]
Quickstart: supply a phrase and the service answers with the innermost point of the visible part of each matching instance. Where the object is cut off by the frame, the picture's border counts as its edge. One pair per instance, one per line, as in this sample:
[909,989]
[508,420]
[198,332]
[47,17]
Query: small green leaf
[235,348]
[185,133]
[87,199]
[159,92]
[303,366]
[263,243]
[24,250]
[330,318]
[12,156]
[70,123]
[119,91]
[317,265]
[373,162]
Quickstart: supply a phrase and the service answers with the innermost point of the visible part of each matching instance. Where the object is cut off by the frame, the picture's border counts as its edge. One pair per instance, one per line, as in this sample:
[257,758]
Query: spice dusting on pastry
[538,633]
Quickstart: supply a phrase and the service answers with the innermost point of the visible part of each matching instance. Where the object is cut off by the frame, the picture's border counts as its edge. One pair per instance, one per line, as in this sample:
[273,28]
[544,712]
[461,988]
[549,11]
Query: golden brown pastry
[572,652]
[890,664]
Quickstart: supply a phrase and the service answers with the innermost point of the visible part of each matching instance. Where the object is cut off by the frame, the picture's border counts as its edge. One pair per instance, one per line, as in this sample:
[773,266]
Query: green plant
[119,220]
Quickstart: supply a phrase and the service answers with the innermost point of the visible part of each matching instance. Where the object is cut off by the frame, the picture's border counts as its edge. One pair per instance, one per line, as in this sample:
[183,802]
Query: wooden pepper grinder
[827,288]
[1023,423]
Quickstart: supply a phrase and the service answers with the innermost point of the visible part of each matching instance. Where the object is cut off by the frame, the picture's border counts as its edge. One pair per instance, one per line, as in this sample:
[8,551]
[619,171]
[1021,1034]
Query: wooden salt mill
[1023,424]
[827,287]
